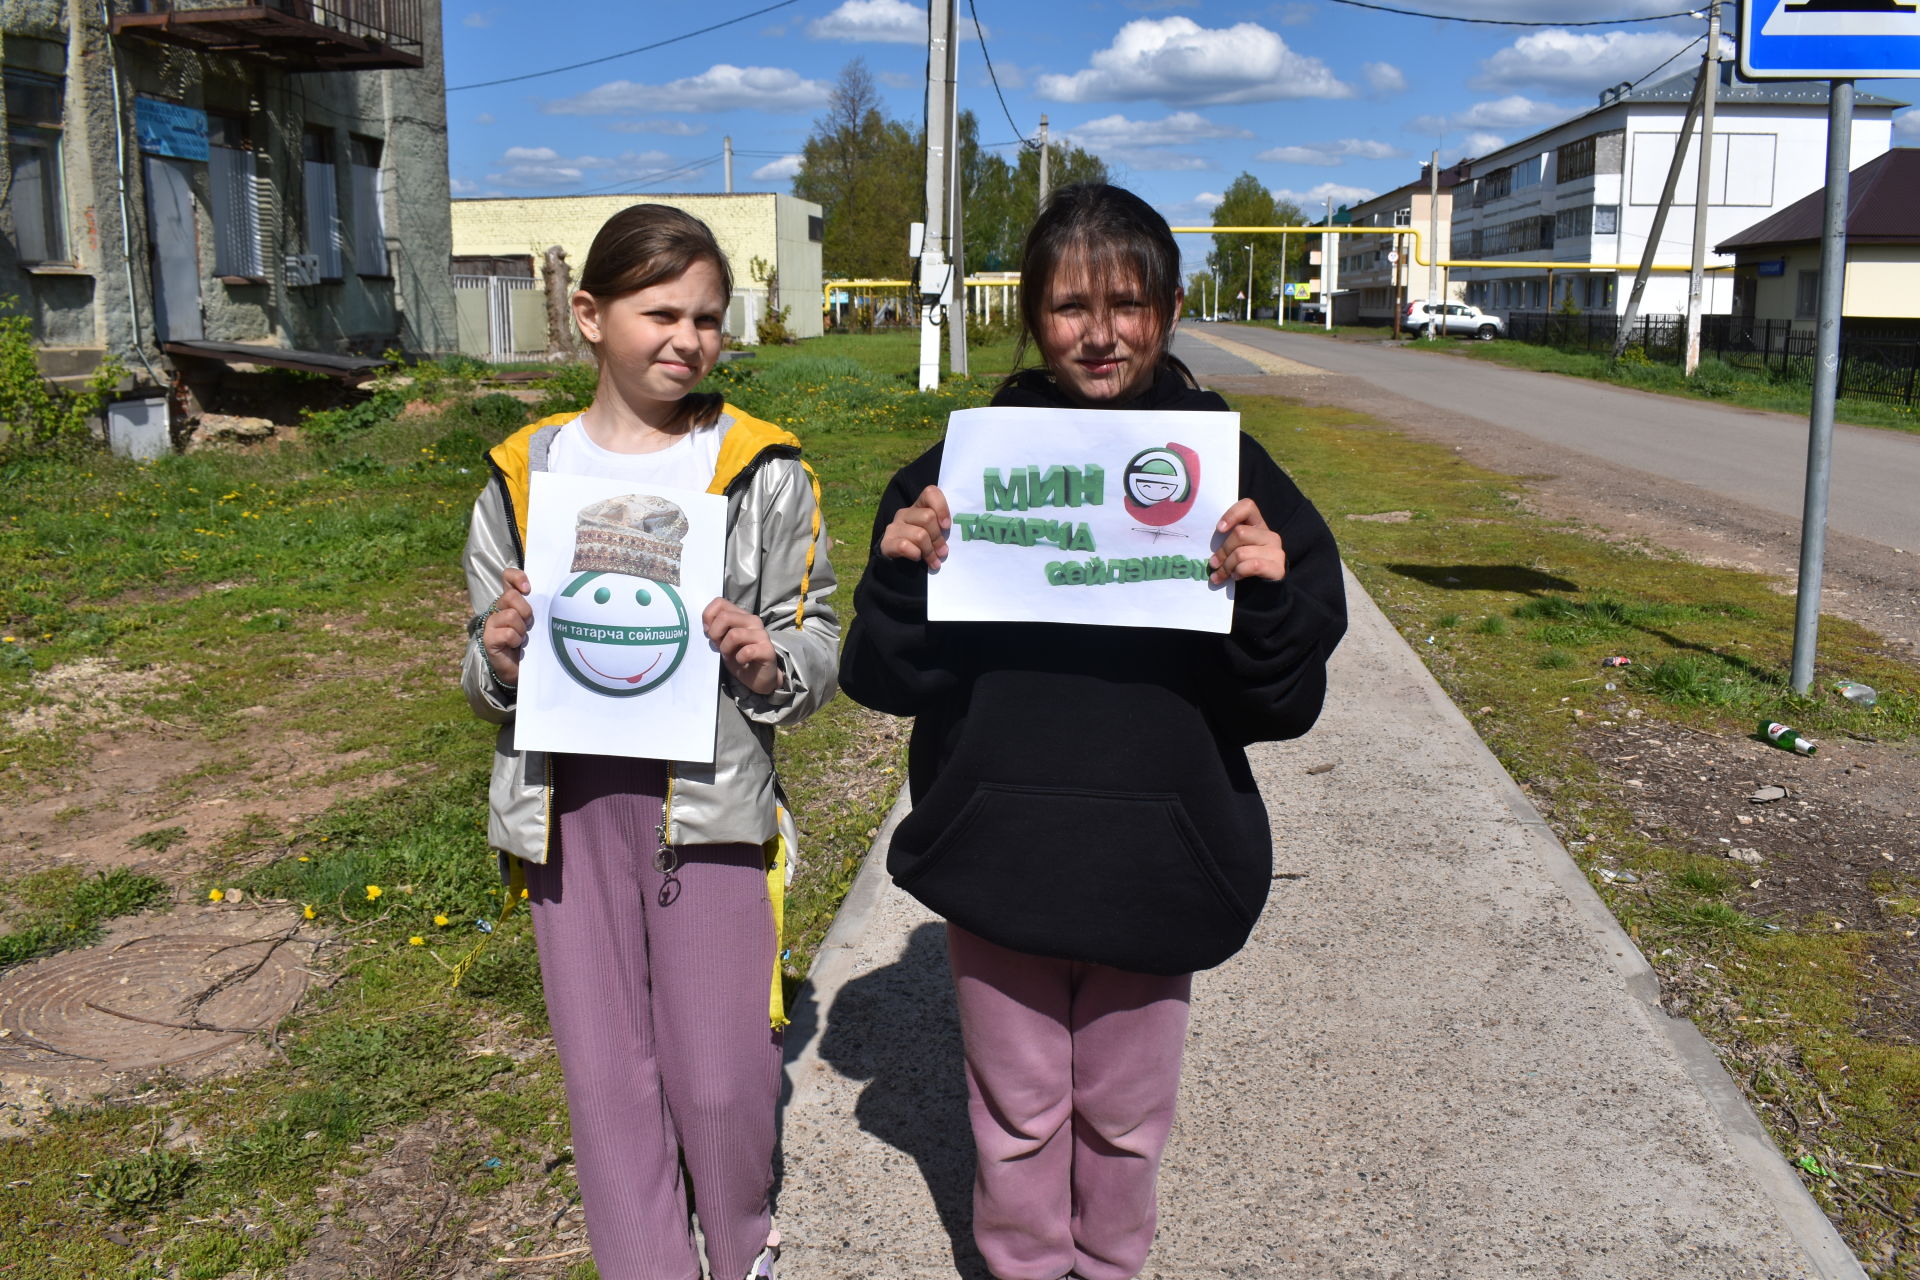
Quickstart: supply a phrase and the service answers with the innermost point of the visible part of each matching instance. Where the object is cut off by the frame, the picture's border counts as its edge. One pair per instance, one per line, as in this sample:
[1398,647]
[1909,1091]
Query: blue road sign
[1829,39]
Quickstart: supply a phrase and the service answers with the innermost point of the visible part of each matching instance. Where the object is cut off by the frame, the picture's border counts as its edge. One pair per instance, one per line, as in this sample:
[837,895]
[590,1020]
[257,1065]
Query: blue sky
[1313,97]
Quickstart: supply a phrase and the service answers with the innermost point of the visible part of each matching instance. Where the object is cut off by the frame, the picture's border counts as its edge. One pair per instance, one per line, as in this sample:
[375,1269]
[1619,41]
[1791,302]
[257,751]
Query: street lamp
[1249,249]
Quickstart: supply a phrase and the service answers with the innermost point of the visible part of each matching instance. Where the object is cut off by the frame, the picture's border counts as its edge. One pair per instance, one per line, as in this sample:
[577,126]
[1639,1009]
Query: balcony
[293,35]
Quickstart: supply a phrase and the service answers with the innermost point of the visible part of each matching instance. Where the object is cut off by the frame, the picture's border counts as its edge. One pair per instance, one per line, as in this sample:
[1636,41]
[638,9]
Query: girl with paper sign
[656,887]
[1084,816]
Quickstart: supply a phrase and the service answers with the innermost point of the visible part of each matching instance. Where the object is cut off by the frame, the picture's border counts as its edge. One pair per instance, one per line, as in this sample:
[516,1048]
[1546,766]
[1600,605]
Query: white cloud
[1332,153]
[722,87]
[1532,10]
[1178,61]
[1510,113]
[671,128]
[463,187]
[1906,128]
[880,22]
[873,22]
[1188,213]
[1384,78]
[1579,63]
[485,117]
[777,170]
[1316,200]
[535,167]
[1162,146]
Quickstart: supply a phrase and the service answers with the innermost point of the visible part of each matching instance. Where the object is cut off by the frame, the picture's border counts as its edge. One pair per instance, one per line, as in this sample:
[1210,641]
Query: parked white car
[1457,319]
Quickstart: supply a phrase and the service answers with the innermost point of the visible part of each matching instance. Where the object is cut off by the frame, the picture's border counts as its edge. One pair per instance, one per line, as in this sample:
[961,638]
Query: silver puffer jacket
[776,567]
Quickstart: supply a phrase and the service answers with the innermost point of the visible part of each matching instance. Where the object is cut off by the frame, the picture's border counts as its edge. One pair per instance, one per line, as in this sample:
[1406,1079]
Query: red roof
[1883,198]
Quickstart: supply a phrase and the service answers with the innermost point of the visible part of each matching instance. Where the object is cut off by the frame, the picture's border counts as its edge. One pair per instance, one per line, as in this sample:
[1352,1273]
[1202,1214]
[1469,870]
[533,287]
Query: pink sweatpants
[657,992]
[1072,1074]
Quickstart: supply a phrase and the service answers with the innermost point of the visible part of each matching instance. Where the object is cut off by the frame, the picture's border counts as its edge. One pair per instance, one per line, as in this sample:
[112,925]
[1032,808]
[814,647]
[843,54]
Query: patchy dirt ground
[1840,849]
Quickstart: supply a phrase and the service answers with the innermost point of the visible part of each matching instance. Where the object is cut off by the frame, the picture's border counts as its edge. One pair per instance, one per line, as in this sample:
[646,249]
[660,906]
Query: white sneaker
[762,1268]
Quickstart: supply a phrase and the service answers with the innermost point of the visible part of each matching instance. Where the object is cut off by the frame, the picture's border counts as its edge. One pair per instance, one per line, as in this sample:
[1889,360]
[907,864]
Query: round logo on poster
[619,635]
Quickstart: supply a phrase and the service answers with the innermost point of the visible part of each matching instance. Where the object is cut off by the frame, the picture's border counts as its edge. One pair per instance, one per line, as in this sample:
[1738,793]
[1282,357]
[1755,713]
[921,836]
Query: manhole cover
[138,1005]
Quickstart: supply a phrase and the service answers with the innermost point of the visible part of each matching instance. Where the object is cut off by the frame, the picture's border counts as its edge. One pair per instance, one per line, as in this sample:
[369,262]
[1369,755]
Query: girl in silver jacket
[656,886]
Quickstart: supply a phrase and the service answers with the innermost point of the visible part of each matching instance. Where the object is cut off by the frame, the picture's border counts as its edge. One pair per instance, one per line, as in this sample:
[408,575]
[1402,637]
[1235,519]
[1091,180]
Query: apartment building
[195,183]
[1377,274]
[1583,193]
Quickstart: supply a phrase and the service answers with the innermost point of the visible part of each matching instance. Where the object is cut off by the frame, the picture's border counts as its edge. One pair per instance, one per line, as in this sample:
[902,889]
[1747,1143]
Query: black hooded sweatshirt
[1080,791]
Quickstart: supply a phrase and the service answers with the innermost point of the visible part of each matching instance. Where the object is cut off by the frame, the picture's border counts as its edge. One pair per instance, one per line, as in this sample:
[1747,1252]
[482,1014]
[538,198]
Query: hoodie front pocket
[1117,878]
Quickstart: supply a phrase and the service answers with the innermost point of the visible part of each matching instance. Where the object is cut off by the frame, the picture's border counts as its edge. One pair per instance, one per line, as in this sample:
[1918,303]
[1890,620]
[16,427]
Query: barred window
[1575,160]
[1573,223]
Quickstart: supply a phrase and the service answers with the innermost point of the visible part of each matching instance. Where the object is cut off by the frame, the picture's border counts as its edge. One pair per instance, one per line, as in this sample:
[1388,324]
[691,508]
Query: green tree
[1002,199]
[1248,203]
[866,174]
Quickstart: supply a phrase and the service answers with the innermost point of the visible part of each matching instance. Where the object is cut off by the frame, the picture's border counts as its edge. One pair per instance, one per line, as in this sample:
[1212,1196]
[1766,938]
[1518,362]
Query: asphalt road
[1752,457]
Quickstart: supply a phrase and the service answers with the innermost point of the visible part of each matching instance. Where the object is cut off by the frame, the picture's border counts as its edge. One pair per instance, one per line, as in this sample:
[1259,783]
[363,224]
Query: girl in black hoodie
[1084,816]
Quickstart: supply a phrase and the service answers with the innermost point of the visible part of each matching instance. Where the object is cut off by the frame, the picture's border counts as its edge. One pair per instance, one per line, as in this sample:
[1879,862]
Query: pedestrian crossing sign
[1829,39]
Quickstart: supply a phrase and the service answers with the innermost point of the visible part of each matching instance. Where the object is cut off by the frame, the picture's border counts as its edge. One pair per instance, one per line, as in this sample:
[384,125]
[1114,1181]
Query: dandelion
[416,941]
[8,640]
[373,892]
[442,921]
[216,895]
[307,912]
[305,858]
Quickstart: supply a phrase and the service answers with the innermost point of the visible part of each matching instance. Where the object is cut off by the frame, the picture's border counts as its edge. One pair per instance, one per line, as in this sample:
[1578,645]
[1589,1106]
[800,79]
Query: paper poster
[1091,516]
[617,662]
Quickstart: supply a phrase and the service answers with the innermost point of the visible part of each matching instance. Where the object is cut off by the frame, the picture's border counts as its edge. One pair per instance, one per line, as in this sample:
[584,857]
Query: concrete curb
[1746,1135]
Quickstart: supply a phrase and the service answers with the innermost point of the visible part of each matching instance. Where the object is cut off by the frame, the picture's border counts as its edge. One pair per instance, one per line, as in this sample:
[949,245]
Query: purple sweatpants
[1072,1073]
[657,991]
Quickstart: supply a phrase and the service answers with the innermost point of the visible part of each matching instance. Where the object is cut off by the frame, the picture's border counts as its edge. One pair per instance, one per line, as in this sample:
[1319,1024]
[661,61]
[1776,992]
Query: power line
[1511,22]
[590,62]
[1663,66]
[980,34]
[664,175]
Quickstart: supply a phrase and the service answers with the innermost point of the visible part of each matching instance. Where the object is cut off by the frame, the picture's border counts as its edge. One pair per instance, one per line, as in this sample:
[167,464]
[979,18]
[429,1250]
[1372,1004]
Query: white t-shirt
[687,463]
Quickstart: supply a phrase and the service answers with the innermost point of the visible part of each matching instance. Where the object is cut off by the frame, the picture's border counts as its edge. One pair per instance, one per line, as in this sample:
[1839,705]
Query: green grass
[64,908]
[320,582]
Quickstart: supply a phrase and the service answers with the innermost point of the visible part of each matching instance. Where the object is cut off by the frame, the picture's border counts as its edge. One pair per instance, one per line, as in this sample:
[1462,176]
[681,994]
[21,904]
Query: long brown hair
[648,244]
[1115,233]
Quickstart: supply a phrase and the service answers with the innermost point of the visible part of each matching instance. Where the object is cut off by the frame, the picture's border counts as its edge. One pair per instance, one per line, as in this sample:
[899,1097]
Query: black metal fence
[1875,363]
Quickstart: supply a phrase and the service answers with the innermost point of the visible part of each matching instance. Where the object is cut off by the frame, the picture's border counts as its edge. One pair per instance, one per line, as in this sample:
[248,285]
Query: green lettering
[1096,571]
[1082,539]
[1088,485]
[1198,570]
[1056,573]
[1134,572]
[1049,488]
[969,527]
[1076,573]
[1009,494]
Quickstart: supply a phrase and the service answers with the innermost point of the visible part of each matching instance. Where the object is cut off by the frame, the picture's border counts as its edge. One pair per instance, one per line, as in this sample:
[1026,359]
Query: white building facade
[1584,193]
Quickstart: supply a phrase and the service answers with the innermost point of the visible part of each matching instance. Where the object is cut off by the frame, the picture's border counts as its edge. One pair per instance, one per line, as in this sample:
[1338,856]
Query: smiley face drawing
[1160,484]
[619,627]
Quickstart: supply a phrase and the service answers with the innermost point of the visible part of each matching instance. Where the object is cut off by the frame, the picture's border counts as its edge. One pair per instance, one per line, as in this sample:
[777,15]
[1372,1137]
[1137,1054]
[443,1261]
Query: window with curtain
[36,119]
[233,179]
[369,208]
[324,235]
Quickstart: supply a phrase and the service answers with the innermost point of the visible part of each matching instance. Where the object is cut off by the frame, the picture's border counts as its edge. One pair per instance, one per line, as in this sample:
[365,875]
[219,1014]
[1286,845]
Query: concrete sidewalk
[1438,1057]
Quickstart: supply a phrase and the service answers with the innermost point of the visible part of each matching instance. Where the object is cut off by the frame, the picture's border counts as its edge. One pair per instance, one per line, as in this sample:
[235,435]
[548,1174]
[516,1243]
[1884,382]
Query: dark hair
[1114,231]
[648,244]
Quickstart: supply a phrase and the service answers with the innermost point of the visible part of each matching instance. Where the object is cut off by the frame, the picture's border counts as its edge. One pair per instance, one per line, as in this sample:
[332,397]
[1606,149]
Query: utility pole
[1329,277]
[936,272]
[1659,218]
[726,147]
[1703,193]
[957,310]
[1433,242]
[1249,249]
[1045,167]
[1280,302]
